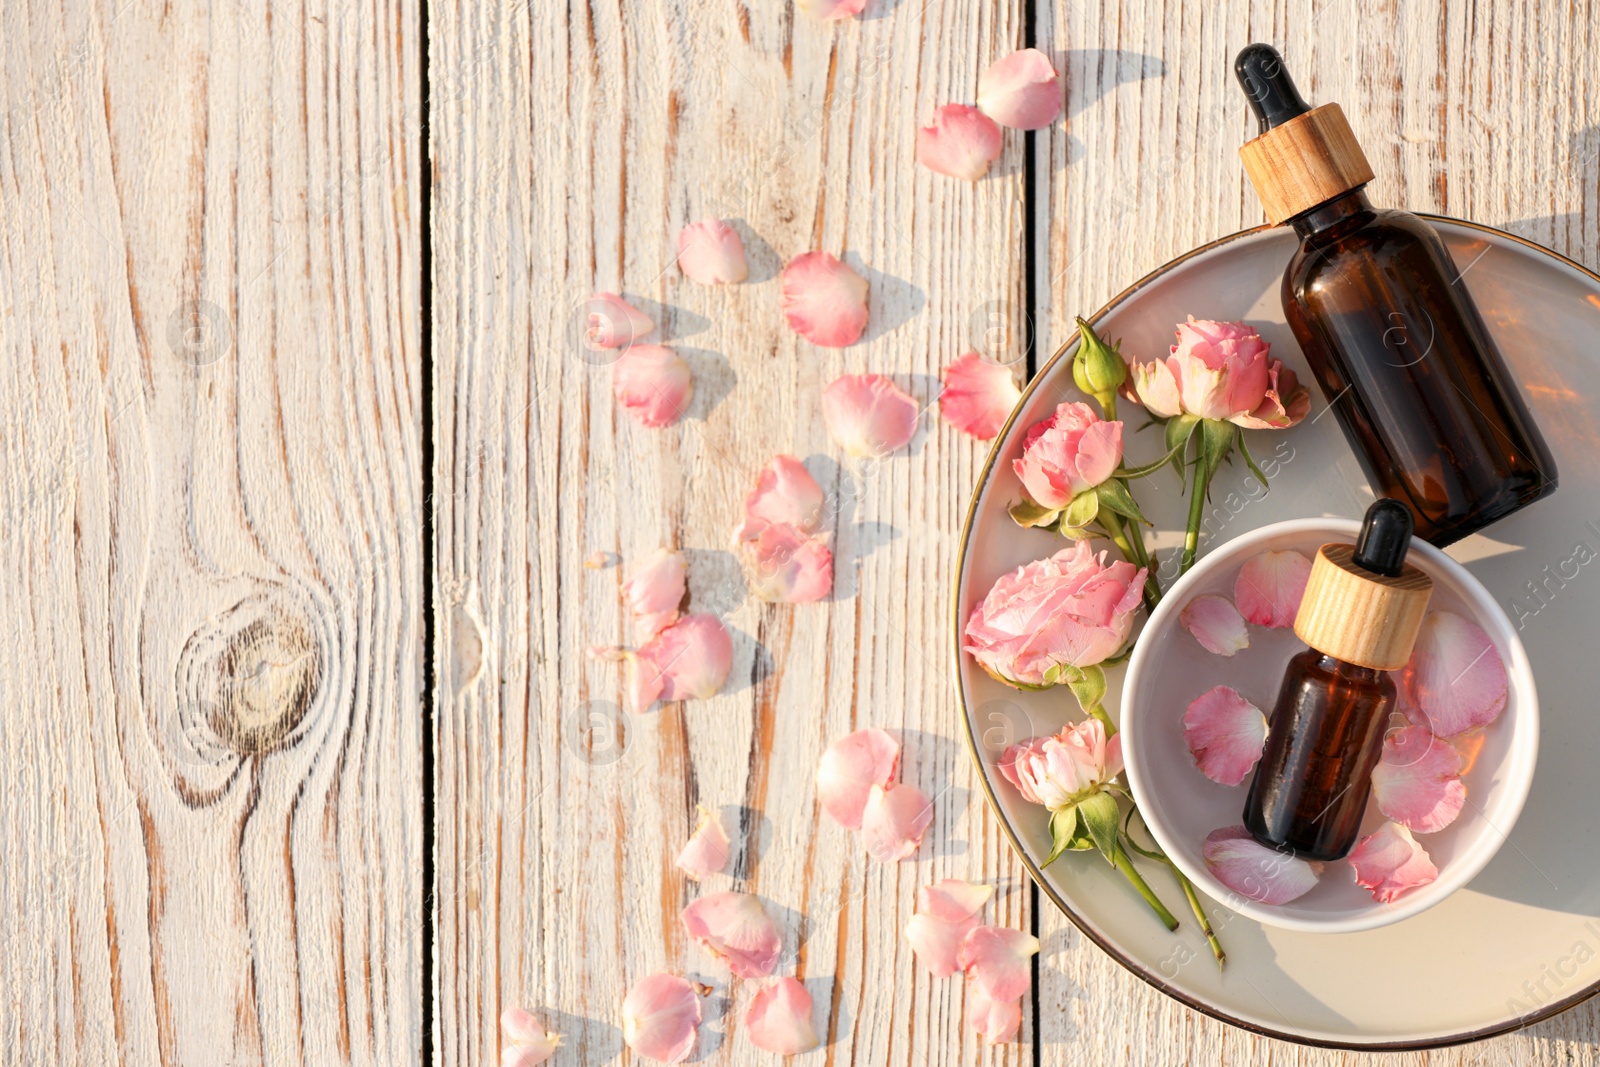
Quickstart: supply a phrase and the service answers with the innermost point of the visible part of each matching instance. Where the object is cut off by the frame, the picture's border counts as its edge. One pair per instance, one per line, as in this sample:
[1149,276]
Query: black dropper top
[1266,82]
[1384,539]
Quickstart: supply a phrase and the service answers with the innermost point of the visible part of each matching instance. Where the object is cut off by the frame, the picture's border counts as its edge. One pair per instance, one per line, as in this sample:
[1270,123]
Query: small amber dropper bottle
[1362,608]
[1392,335]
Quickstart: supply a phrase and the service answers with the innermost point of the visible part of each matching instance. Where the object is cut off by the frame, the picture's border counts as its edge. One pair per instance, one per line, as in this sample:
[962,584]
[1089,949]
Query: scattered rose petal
[785,492]
[1455,675]
[707,850]
[661,1017]
[1021,90]
[613,322]
[1269,587]
[961,142]
[978,395]
[946,911]
[711,253]
[779,1019]
[1216,624]
[787,566]
[530,1043]
[868,415]
[831,10]
[654,593]
[998,960]
[689,660]
[894,820]
[997,1020]
[1417,783]
[824,301]
[653,384]
[1225,734]
[1390,862]
[849,769]
[736,929]
[1253,870]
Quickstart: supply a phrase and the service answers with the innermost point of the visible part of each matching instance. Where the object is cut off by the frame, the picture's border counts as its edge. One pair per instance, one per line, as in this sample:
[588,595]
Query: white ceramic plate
[1181,806]
[1522,940]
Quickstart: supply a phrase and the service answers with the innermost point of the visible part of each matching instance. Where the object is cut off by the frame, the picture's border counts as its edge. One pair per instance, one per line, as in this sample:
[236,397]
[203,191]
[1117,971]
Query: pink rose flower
[1071,451]
[1221,370]
[1072,609]
[1061,770]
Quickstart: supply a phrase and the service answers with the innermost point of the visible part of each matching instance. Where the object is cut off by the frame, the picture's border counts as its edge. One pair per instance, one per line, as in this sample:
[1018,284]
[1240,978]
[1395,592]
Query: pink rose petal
[528,1042]
[946,911]
[736,929]
[894,820]
[711,253]
[978,395]
[1225,734]
[613,322]
[1253,870]
[1455,676]
[653,384]
[831,10]
[779,1019]
[849,769]
[1418,781]
[707,850]
[785,492]
[998,960]
[824,301]
[1469,743]
[654,593]
[1269,587]
[787,566]
[1390,863]
[688,660]
[661,1018]
[868,415]
[1216,624]
[961,142]
[996,1019]
[1021,91]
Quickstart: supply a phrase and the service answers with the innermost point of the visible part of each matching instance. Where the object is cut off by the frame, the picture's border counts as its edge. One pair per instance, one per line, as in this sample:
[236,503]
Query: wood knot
[254,671]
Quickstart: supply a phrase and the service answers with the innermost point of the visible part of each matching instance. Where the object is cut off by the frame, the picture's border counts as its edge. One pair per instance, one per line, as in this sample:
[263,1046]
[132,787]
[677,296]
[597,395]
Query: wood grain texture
[210,605]
[570,147]
[1485,111]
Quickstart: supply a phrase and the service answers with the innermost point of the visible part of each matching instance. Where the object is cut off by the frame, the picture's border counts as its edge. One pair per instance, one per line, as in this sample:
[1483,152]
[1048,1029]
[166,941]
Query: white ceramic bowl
[1181,806]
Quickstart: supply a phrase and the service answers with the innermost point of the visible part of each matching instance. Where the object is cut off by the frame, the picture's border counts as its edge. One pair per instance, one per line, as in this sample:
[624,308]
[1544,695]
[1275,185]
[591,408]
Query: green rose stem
[1131,873]
[1200,914]
[1132,548]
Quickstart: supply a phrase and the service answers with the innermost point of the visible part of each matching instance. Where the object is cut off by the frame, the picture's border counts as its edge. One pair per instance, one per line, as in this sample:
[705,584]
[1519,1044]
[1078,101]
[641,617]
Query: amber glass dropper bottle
[1392,335]
[1360,614]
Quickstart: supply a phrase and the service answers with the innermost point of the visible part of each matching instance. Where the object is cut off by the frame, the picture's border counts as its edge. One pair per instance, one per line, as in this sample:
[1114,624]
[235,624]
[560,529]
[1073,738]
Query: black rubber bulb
[1266,82]
[1385,538]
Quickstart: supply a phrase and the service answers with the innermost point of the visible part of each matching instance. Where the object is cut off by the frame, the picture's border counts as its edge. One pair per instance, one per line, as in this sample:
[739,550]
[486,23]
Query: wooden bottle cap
[1352,614]
[1306,161]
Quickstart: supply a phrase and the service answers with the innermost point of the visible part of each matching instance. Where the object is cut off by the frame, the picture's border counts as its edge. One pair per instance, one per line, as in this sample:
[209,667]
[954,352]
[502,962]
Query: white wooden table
[300,462]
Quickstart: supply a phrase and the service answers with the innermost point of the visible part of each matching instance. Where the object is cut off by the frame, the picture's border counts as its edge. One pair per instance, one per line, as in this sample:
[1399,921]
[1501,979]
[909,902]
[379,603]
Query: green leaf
[1114,496]
[1251,463]
[1122,656]
[1082,510]
[1088,684]
[1067,834]
[1075,533]
[1099,813]
[1026,513]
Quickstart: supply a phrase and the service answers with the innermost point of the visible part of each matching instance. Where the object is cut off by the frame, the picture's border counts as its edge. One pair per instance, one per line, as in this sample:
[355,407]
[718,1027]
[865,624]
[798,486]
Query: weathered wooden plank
[570,146]
[211,630]
[1483,111]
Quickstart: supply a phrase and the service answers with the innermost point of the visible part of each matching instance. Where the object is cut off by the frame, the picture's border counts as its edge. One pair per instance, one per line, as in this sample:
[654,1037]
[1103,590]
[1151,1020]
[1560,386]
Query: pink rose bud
[1071,451]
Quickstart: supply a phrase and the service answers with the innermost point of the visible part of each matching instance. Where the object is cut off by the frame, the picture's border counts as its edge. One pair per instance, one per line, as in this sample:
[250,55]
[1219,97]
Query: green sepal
[1026,513]
[1067,834]
[1088,684]
[1216,441]
[1251,463]
[1082,510]
[1179,429]
[1114,496]
[1150,468]
[1099,814]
